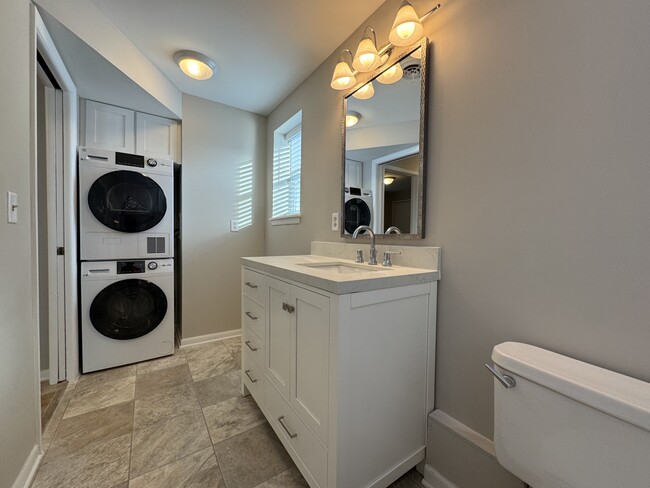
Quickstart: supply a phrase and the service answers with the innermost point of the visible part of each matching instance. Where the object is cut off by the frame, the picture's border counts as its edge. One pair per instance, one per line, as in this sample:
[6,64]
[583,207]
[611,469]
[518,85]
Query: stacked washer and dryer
[126,238]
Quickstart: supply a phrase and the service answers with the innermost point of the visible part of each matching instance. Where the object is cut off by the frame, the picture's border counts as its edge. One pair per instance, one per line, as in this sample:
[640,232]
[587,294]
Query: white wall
[216,140]
[19,428]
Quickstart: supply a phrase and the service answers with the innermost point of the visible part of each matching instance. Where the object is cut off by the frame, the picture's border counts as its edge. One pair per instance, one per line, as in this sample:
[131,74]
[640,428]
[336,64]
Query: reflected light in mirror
[388,180]
[351,118]
[417,54]
[391,75]
[343,78]
[407,27]
[365,92]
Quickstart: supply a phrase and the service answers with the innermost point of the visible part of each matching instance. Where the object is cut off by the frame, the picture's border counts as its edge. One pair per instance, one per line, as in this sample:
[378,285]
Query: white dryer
[358,208]
[127,312]
[125,205]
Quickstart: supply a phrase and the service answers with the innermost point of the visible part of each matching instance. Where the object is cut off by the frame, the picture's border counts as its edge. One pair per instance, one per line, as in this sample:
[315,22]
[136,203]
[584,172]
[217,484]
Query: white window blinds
[286,173]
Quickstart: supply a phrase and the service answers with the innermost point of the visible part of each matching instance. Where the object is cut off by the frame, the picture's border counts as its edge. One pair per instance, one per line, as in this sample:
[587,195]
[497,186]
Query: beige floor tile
[219,388]
[233,344]
[79,432]
[232,417]
[291,478]
[252,457]
[172,401]
[93,396]
[99,465]
[166,441]
[177,359]
[53,424]
[199,470]
[155,381]
[212,362]
[207,350]
[106,375]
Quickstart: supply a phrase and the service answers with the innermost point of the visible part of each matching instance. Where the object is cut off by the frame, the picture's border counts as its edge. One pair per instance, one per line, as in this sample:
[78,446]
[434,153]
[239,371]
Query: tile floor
[50,397]
[173,422]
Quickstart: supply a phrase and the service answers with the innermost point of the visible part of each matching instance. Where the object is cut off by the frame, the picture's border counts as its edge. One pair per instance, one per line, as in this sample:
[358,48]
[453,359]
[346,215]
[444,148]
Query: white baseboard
[27,474]
[433,479]
[218,336]
[45,375]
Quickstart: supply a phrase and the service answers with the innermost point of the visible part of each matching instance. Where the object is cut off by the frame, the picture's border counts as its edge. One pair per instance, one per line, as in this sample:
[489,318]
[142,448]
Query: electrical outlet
[335,221]
[234,225]
[12,207]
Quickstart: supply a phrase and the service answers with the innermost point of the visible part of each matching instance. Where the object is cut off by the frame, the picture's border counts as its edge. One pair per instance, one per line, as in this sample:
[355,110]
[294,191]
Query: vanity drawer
[254,286]
[254,318]
[253,377]
[297,438]
[253,346]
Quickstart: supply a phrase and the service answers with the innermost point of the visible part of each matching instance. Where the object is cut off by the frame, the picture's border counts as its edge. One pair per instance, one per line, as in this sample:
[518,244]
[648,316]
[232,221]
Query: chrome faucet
[373,250]
[393,229]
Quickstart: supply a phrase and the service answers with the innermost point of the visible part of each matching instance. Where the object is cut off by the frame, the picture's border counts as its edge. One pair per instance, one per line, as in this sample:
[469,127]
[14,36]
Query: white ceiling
[263,49]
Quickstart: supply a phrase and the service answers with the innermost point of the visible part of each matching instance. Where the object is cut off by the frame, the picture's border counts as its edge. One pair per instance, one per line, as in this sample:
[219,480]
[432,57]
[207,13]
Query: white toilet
[566,423]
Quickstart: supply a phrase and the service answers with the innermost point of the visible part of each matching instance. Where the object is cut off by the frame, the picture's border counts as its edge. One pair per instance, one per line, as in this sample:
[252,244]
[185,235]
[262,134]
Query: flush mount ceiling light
[351,118]
[388,180]
[365,92]
[391,75]
[367,57]
[195,65]
[407,27]
[343,78]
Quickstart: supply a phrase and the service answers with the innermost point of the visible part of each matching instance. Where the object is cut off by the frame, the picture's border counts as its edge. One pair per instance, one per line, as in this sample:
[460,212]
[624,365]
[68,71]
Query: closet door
[109,127]
[156,136]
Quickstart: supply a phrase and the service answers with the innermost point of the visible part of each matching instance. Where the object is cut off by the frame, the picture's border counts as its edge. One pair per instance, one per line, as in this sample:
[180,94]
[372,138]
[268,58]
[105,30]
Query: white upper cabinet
[156,136]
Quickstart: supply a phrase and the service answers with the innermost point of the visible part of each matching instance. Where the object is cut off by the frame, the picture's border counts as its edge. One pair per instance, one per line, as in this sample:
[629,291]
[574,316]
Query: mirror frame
[396,54]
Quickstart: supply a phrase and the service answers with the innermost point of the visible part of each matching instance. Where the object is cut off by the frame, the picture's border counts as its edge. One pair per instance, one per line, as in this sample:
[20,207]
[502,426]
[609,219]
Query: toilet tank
[567,423]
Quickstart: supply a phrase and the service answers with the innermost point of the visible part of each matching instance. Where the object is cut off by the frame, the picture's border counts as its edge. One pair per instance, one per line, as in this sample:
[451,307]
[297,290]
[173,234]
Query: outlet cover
[234,225]
[335,221]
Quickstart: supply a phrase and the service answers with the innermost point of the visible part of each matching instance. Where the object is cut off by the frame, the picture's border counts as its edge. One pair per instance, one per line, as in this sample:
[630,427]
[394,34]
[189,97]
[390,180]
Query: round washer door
[357,213]
[128,309]
[127,201]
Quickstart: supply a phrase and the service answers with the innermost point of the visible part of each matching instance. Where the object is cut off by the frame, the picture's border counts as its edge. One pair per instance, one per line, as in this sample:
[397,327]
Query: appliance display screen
[129,160]
[128,267]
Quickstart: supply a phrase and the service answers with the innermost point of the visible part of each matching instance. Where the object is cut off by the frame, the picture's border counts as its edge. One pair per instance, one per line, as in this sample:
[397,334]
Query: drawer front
[297,438]
[253,377]
[253,346]
[254,318]
[254,286]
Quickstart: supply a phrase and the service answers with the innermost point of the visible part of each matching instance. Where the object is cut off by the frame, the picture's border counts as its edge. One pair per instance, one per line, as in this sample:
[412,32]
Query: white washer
[126,205]
[127,312]
[358,208]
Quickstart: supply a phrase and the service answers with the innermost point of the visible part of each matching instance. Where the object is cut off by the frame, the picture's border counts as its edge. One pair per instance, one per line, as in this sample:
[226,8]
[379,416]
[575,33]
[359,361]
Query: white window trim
[286,219]
[285,132]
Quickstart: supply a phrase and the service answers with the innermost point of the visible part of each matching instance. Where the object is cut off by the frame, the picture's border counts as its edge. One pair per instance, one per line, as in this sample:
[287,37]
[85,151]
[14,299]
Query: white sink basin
[343,268]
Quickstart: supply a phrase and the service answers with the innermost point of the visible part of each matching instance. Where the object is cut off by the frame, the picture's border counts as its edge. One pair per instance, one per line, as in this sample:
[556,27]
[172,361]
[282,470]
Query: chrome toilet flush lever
[504,379]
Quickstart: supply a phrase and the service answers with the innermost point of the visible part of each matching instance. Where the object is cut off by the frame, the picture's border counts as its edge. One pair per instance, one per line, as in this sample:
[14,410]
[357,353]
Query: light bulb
[365,92]
[195,65]
[405,30]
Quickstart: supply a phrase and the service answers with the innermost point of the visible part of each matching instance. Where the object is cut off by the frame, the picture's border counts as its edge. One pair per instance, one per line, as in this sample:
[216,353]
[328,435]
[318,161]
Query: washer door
[127,201]
[357,213]
[128,309]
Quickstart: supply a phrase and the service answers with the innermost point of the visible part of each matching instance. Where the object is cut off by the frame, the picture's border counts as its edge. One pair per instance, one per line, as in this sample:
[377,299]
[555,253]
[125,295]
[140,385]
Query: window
[287,150]
[244,210]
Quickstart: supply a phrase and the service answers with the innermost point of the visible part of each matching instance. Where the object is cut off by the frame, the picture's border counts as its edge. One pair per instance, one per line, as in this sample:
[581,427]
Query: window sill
[286,220]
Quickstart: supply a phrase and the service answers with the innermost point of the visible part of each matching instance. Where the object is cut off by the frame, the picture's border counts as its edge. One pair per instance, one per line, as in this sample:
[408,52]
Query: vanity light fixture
[365,92]
[195,65]
[351,118]
[391,75]
[407,27]
[367,57]
[388,180]
[343,78]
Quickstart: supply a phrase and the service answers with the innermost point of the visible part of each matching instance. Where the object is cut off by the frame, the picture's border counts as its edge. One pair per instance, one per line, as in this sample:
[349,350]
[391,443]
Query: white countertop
[377,277]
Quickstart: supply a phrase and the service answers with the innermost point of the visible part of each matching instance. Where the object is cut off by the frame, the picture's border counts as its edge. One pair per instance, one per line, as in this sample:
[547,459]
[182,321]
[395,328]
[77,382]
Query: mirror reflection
[383,185]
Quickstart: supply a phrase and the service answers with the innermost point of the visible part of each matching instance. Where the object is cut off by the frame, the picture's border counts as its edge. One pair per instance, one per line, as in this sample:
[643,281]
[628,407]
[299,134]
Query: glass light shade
[389,180]
[365,92]
[195,65]
[391,75]
[343,78]
[417,54]
[407,28]
[352,118]
[367,57]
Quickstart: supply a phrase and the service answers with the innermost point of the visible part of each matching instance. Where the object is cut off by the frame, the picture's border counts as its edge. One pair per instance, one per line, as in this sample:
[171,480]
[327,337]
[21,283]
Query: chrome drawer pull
[251,285]
[288,308]
[248,373]
[504,379]
[248,343]
[251,316]
[281,420]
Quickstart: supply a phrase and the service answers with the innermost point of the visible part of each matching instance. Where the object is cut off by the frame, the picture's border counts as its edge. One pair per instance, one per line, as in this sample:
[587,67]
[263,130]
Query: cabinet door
[353,173]
[109,127]
[310,370]
[278,336]
[156,136]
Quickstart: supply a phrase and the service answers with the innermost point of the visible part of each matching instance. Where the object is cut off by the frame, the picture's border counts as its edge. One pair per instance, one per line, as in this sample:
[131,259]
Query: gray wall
[18,403]
[216,139]
[539,169]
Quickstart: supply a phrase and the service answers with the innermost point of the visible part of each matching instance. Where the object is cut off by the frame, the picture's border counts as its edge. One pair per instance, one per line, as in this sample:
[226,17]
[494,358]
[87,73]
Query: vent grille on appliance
[155,245]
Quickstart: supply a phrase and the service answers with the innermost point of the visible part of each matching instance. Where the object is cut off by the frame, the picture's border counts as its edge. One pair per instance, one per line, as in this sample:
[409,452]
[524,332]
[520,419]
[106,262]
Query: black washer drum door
[357,213]
[128,309]
[127,201]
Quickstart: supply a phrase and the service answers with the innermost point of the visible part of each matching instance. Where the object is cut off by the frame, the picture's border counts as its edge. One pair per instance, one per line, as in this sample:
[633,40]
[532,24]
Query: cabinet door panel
[278,336]
[156,136]
[109,127]
[310,388]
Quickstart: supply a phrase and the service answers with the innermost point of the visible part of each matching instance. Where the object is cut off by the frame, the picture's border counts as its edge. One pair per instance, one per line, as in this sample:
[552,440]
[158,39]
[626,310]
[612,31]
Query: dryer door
[128,309]
[357,213]
[127,201]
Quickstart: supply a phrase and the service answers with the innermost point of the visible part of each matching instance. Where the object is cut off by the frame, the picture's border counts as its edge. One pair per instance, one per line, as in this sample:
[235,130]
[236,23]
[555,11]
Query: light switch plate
[335,221]
[234,225]
[12,207]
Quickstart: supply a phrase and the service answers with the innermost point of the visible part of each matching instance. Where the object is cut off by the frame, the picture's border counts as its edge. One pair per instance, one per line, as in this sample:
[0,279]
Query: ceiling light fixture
[391,75]
[343,78]
[195,65]
[388,180]
[367,57]
[365,92]
[352,118]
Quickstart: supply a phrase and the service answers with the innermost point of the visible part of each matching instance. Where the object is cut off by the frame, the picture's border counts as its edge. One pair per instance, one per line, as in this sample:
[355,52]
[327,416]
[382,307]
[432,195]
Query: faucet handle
[359,256]
[387,255]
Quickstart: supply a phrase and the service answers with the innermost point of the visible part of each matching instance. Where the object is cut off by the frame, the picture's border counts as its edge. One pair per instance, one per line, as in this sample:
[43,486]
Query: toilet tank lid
[621,396]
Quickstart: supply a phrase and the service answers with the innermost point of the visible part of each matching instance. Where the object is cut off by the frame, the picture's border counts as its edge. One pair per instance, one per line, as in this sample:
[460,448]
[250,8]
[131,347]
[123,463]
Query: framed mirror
[384,128]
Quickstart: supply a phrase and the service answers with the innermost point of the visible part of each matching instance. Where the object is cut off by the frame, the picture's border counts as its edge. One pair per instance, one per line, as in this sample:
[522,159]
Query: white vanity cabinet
[347,379]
